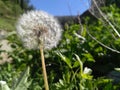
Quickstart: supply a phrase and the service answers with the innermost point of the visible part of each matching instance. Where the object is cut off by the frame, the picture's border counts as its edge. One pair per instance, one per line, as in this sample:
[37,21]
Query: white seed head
[37,28]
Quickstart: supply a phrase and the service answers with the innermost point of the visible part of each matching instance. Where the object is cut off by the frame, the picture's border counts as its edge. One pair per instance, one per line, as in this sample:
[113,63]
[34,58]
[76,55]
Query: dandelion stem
[44,69]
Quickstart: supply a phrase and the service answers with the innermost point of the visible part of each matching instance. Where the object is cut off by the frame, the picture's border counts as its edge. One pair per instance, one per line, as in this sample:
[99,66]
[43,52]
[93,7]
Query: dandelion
[39,30]
[36,28]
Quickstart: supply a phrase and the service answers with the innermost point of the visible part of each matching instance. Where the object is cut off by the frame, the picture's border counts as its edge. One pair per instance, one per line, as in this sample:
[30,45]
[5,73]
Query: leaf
[86,76]
[65,59]
[89,57]
[80,62]
[108,87]
[117,42]
[22,83]
[76,64]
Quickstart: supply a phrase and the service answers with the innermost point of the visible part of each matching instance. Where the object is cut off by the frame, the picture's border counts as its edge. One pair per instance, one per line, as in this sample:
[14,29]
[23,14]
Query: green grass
[9,12]
[7,24]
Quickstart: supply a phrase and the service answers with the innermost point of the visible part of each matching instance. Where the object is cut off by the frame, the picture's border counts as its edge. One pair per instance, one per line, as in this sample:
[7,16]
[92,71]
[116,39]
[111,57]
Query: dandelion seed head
[36,26]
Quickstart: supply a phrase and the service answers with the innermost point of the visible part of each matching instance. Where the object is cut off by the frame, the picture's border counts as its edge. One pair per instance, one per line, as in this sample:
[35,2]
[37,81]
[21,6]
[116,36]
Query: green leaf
[22,83]
[86,76]
[108,87]
[65,59]
[76,64]
[117,42]
[80,63]
[89,57]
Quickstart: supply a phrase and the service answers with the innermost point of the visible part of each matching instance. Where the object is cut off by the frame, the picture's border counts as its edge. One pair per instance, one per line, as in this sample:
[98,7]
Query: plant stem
[44,69]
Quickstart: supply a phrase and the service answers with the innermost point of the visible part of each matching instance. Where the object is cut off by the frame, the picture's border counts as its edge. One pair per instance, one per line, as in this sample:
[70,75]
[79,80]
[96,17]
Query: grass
[8,15]
[7,24]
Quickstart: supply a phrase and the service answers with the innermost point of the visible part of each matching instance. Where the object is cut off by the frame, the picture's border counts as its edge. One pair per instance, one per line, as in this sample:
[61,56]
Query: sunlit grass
[7,24]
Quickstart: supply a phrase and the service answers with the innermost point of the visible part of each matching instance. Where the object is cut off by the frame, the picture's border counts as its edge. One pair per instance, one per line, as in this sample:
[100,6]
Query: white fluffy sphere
[35,27]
